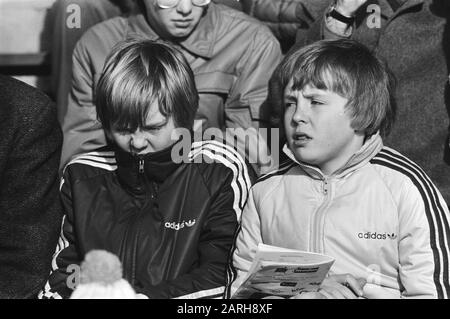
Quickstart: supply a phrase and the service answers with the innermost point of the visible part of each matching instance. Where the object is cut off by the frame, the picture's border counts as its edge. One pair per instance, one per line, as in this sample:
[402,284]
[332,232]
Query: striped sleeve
[247,240]
[424,224]
[214,293]
[248,236]
[57,285]
[226,155]
[64,274]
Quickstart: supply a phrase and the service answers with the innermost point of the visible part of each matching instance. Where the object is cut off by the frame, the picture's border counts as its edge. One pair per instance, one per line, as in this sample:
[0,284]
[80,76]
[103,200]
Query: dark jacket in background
[30,214]
[414,41]
[285,17]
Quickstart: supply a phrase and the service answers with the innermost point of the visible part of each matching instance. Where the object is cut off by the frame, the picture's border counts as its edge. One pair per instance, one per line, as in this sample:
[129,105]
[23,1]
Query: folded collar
[157,167]
[371,147]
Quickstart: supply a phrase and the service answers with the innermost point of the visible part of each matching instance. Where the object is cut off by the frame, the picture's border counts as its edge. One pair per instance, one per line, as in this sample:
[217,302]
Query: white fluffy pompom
[101,278]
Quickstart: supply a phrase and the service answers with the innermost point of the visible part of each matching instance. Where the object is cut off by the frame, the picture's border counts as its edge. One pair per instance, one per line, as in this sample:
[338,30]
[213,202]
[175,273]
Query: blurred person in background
[30,210]
[67,31]
[285,17]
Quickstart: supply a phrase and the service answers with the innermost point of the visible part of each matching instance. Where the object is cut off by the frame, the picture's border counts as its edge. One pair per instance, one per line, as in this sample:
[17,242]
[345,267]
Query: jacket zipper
[152,190]
[141,166]
[141,171]
[319,218]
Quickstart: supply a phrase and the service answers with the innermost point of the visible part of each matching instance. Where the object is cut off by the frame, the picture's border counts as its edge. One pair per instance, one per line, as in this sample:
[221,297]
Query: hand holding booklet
[283,272]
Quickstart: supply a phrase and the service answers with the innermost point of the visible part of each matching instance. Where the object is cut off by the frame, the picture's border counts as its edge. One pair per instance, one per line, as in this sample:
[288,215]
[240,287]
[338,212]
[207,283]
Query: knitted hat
[101,278]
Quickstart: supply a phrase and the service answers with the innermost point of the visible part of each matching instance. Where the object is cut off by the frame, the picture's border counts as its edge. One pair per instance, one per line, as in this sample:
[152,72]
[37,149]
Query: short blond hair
[349,69]
[136,74]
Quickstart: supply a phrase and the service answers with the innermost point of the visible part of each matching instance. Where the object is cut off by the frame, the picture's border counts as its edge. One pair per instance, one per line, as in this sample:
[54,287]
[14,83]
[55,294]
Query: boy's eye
[289,104]
[316,102]
[153,128]
[124,131]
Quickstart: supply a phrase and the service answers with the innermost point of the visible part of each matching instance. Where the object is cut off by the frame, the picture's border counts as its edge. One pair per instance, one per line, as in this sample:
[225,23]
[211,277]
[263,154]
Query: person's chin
[303,155]
[181,32]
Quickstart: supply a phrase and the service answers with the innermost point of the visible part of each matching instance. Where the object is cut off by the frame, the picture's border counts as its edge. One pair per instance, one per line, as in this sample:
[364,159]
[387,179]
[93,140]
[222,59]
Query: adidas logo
[178,226]
[378,236]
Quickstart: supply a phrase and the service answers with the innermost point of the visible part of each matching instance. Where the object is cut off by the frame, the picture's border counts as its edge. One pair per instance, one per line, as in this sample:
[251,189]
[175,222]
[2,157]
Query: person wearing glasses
[232,56]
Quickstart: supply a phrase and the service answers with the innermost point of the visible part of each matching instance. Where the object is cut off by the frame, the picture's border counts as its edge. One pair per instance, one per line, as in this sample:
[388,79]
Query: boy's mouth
[300,139]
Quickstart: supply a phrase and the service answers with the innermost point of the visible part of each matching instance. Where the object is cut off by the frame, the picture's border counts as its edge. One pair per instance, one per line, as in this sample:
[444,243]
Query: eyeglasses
[166,4]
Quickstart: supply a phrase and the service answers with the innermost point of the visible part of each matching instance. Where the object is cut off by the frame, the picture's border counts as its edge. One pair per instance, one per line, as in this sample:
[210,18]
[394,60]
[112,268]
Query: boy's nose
[138,142]
[300,113]
[184,7]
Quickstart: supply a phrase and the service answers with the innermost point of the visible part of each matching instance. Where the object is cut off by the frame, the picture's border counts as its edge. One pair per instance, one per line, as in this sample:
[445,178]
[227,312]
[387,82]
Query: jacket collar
[403,5]
[371,147]
[200,42]
[135,171]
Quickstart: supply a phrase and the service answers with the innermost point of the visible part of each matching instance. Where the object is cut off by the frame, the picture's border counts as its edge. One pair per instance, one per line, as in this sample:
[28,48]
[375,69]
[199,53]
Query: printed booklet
[283,272]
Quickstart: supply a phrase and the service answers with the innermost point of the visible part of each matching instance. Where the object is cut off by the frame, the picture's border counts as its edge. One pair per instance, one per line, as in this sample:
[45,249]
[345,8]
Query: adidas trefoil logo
[178,226]
[392,236]
[190,223]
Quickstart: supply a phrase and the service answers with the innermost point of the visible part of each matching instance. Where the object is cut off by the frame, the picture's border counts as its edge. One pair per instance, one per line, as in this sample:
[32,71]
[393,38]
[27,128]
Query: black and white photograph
[236,157]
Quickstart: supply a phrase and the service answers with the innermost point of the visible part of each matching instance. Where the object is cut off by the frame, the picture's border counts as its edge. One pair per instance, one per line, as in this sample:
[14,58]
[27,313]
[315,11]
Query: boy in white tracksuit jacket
[341,192]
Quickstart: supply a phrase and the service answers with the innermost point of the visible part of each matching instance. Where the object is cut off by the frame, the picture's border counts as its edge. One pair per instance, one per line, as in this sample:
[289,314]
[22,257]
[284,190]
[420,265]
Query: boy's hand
[348,7]
[309,295]
[336,287]
[342,287]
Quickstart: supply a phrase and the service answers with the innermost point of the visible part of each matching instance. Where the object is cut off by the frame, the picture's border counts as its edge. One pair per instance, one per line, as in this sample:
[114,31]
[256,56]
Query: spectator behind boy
[71,19]
[231,54]
[169,217]
[285,18]
[30,210]
[412,37]
[343,193]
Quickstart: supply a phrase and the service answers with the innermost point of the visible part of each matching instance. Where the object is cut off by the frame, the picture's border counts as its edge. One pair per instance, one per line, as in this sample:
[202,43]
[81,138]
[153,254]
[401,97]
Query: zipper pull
[141,166]
[154,192]
[325,186]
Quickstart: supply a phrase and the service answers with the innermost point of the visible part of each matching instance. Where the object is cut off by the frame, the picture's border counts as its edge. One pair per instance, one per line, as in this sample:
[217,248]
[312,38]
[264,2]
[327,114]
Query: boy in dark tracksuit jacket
[169,216]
